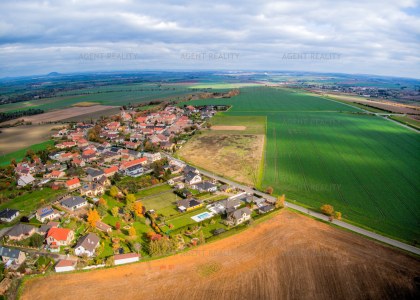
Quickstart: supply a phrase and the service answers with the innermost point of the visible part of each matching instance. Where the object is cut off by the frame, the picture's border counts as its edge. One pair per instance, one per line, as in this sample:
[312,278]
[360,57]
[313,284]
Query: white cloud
[377,37]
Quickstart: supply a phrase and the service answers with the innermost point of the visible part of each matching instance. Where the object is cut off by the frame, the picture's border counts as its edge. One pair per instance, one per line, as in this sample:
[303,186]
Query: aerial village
[108,193]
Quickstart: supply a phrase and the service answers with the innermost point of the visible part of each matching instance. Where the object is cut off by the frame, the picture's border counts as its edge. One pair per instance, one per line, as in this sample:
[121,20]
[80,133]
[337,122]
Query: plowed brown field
[287,257]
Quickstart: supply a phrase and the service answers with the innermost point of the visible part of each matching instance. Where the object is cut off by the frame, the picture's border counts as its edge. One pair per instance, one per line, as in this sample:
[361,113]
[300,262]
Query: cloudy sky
[359,36]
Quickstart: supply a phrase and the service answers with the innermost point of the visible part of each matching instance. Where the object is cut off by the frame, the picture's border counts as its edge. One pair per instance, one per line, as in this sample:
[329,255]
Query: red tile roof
[72,181]
[111,169]
[65,263]
[59,234]
[124,256]
[138,161]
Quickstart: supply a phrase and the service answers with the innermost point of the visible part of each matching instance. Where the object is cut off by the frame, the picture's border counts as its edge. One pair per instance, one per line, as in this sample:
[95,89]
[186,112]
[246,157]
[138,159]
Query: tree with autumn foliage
[327,209]
[117,225]
[93,217]
[114,211]
[113,192]
[269,190]
[130,200]
[138,209]
[337,215]
[132,231]
[280,201]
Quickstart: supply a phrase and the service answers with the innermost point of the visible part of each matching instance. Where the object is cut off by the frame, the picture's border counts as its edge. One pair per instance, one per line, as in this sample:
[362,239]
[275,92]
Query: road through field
[314,214]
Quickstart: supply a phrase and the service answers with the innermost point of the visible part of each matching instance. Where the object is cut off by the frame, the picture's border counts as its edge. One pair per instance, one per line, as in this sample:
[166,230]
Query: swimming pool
[202,216]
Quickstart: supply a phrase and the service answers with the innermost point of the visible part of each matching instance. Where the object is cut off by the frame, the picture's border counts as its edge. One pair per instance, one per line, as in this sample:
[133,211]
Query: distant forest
[20,113]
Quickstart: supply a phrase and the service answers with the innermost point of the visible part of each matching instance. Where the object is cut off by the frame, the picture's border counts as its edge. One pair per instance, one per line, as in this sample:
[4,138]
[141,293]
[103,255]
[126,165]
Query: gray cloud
[376,37]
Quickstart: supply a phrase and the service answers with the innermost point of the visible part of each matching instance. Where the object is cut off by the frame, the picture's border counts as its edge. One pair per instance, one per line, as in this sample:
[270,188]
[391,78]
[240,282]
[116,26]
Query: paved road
[315,214]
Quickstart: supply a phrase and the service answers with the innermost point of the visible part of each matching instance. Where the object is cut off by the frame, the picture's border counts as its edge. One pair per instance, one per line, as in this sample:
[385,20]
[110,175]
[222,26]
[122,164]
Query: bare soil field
[386,105]
[15,138]
[287,257]
[228,127]
[233,155]
[62,114]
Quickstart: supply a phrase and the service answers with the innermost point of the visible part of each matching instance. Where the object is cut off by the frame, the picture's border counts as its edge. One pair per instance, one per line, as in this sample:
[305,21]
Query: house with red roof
[72,184]
[110,171]
[57,174]
[127,164]
[59,236]
[65,265]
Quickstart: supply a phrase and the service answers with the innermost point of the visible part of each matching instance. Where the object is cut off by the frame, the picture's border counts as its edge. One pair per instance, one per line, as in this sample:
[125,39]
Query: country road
[312,213]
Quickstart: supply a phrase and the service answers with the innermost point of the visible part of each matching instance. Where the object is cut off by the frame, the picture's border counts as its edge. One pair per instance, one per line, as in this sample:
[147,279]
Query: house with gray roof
[192,178]
[205,186]
[21,231]
[74,203]
[94,174]
[8,215]
[239,216]
[11,256]
[86,245]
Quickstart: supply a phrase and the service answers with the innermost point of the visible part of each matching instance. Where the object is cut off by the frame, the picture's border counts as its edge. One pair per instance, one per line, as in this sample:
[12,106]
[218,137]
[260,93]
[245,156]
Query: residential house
[139,161]
[73,203]
[94,174]
[103,227]
[65,265]
[239,216]
[192,178]
[87,245]
[73,184]
[25,180]
[189,204]
[11,256]
[205,186]
[57,237]
[109,172]
[121,259]
[8,215]
[110,156]
[266,208]
[46,213]
[20,232]
[134,171]
[91,189]
[57,174]
[188,169]
[152,157]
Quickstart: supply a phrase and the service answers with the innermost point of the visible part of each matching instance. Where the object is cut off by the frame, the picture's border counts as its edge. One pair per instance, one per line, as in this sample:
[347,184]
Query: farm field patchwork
[319,151]
[112,95]
[18,155]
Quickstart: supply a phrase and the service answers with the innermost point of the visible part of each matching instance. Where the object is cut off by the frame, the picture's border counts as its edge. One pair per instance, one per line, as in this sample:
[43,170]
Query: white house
[8,215]
[46,213]
[121,259]
[65,265]
[192,178]
[87,245]
[25,179]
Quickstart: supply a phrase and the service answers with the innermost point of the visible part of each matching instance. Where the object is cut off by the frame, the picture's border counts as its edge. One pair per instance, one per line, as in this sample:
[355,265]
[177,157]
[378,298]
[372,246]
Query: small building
[25,180]
[91,189]
[239,216]
[189,204]
[134,171]
[59,237]
[103,227]
[20,232]
[86,245]
[74,203]
[192,178]
[65,265]
[46,213]
[121,259]
[266,208]
[110,171]
[205,186]
[72,184]
[8,215]
[11,256]
[94,174]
